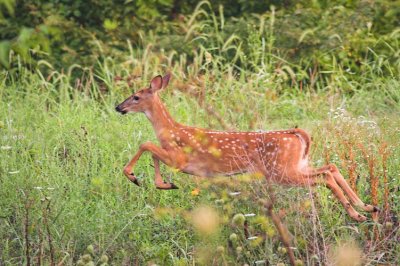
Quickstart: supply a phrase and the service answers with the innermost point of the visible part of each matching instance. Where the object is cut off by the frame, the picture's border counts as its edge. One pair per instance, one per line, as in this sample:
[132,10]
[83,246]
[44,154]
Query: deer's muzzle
[120,110]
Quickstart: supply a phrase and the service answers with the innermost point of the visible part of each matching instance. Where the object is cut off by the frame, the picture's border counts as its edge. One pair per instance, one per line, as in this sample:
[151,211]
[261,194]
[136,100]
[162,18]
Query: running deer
[279,156]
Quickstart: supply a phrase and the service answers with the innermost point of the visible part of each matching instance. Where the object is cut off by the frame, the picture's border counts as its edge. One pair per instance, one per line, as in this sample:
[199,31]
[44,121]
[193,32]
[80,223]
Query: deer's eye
[136,98]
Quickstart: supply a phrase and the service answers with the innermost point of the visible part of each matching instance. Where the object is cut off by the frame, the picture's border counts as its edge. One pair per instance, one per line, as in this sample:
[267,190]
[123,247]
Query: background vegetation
[331,67]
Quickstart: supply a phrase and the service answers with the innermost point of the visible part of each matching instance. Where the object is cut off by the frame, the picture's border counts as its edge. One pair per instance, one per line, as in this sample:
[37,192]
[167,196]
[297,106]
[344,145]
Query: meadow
[65,201]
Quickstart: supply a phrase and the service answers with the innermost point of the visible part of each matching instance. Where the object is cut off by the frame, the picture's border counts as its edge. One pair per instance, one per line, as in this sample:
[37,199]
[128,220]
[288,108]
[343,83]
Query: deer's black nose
[119,109]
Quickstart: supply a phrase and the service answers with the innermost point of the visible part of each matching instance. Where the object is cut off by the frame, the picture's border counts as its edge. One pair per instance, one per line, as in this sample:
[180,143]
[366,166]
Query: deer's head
[144,99]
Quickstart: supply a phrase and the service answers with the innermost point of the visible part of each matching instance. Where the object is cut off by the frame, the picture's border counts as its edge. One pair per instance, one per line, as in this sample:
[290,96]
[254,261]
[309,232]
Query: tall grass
[64,199]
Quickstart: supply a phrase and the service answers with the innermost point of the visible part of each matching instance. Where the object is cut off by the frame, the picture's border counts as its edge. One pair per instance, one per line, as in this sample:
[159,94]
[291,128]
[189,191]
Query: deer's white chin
[148,114]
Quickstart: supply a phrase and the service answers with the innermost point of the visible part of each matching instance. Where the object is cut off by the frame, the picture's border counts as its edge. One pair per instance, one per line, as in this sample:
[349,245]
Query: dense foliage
[309,33]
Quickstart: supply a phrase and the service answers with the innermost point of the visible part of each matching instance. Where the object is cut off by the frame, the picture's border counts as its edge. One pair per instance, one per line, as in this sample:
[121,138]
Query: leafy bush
[308,34]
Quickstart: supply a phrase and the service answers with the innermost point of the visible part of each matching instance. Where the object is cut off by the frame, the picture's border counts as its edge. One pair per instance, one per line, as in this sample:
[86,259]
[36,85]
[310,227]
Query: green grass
[63,148]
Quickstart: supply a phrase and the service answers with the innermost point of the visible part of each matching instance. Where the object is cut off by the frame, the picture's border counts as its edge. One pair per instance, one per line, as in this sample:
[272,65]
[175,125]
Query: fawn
[280,156]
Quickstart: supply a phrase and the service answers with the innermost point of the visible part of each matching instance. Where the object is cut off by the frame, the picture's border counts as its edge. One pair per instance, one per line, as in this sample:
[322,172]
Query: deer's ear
[165,80]
[156,83]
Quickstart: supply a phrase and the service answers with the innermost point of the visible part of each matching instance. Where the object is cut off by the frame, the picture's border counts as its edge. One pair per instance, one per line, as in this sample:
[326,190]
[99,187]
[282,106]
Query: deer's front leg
[128,167]
[157,154]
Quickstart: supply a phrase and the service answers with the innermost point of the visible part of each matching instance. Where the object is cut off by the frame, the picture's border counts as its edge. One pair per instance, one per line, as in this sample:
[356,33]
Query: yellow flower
[195,192]
[187,149]
[215,152]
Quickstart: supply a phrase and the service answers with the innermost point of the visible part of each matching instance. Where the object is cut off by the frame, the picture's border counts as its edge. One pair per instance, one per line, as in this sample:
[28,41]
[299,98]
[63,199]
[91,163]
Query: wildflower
[282,250]
[238,219]
[86,258]
[233,237]
[346,254]
[195,192]
[389,225]
[219,201]
[239,250]
[215,151]
[90,249]
[220,249]
[205,220]
[298,263]
[208,57]
[104,259]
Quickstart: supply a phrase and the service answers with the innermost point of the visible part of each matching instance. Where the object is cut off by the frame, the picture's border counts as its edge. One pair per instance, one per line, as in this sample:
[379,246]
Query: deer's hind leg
[312,177]
[339,187]
[349,191]
[324,176]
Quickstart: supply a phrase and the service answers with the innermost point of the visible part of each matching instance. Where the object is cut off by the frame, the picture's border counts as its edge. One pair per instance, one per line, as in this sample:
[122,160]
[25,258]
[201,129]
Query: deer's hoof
[167,186]
[371,208]
[133,179]
[361,218]
[173,186]
[136,182]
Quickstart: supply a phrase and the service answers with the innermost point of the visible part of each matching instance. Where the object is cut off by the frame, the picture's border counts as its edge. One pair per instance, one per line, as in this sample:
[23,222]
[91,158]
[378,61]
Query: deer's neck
[160,118]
